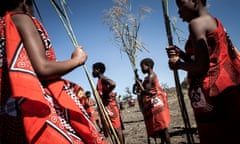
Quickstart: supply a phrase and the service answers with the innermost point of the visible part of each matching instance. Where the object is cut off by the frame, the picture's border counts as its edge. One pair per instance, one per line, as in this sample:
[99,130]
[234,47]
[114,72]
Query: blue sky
[97,40]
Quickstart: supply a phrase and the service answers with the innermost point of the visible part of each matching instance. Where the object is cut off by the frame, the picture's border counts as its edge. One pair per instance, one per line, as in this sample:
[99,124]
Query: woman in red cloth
[105,87]
[213,68]
[90,106]
[154,103]
[37,105]
[81,95]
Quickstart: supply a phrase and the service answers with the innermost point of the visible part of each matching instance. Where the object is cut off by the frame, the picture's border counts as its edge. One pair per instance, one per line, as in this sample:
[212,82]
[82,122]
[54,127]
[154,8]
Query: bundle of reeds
[63,15]
[125,27]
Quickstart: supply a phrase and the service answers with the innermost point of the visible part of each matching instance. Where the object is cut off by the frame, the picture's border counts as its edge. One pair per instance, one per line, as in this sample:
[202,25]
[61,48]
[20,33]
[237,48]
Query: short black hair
[87,92]
[100,66]
[147,61]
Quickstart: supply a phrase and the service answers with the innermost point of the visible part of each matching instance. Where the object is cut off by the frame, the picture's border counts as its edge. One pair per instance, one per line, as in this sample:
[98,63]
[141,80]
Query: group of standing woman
[39,106]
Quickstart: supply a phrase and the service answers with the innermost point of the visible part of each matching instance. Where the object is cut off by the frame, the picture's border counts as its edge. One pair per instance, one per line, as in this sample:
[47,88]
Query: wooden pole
[180,95]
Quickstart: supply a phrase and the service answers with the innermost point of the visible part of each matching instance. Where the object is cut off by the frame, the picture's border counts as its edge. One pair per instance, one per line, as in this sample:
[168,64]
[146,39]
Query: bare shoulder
[22,21]
[203,24]
[106,79]
[152,76]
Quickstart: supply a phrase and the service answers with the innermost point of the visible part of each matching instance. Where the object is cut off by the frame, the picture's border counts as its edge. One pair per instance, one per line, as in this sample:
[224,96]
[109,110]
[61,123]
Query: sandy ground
[135,132]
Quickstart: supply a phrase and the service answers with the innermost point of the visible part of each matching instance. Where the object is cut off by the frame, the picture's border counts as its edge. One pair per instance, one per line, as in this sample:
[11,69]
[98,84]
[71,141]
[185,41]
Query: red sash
[224,71]
[51,111]
[155,109]
[110,104]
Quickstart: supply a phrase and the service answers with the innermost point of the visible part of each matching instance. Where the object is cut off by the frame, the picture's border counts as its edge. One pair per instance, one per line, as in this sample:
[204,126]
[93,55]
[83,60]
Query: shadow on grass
[127,122]
[181,131]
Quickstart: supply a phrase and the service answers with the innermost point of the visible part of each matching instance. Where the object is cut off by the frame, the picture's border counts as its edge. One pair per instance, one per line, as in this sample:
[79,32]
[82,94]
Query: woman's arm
[34,46]
[200,63]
